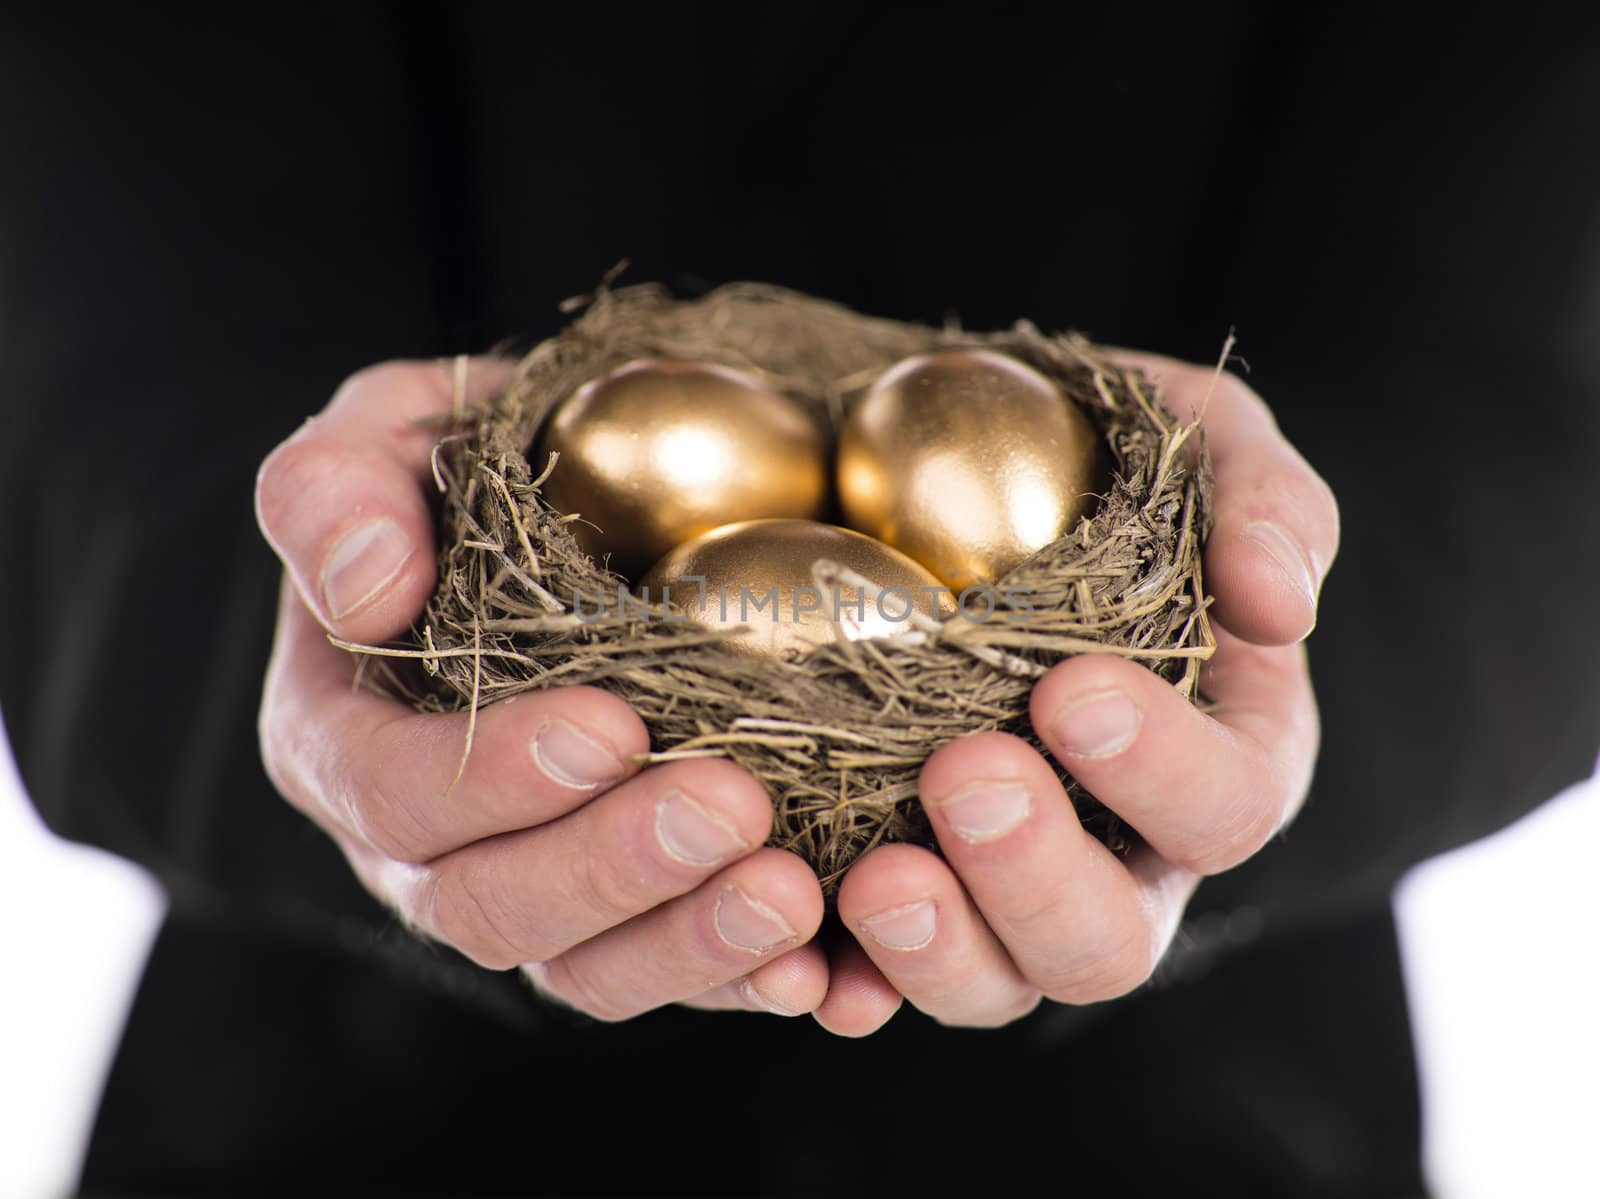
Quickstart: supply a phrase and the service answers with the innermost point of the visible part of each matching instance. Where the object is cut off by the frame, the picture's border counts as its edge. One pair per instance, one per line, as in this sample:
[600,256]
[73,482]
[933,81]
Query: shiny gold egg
[968,461]
[759,573]
[658,451]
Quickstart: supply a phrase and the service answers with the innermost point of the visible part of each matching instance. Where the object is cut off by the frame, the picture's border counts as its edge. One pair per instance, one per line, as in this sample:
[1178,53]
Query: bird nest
[837,735]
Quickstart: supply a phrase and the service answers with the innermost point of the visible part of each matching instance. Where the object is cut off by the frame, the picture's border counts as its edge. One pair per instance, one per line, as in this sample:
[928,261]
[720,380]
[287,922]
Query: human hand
[1025,905]
[617,890]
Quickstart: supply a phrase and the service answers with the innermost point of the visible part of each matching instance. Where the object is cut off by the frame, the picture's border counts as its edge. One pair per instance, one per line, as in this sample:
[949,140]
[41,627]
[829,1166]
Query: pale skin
[618,889]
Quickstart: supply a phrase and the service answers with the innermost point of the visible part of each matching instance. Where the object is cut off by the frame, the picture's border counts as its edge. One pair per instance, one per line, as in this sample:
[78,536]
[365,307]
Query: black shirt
[209,218]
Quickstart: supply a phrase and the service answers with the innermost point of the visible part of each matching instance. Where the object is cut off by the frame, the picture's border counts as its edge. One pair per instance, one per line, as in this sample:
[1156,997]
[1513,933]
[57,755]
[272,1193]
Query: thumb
[344,504]
[1276,528]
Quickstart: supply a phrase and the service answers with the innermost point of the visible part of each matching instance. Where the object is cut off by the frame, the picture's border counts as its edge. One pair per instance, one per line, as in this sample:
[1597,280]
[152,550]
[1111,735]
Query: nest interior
[837,736]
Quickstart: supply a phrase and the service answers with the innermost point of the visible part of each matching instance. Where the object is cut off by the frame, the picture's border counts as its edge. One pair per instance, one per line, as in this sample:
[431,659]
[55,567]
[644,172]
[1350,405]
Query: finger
[343,501]
[860,999]
[1276,529]
[1079,924]
[753,911]
[920,928]
[373,768]
[1206,791]
[791,985]
[531,896]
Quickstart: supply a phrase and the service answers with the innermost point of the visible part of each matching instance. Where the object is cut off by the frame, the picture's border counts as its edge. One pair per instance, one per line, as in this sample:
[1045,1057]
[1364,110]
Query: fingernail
[362,564]
[1099,725]
[692,834]
[567,755]
[1291,559]
[986,810]
[909,926]
[747,923]
[747,988]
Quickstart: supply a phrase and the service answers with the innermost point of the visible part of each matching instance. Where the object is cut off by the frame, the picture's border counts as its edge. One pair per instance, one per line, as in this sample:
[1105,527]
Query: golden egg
[658,451]
[758,573]
[967,460]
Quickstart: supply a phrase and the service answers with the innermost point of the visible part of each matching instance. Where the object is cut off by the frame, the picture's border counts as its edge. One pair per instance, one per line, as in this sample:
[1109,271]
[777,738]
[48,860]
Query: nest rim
[1126,580]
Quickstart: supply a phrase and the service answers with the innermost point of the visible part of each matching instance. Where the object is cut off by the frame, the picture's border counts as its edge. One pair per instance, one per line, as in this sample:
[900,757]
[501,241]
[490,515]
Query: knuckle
[952,999]
[1322,494]
[573,985]
[1311,505]
[1022,1004]
[404,889]
[1324,502]
[1096,984]
[380,376]
[278,773]
[1272,490]
[1111,965]
[283,761]
[1242,395]
[598,888]
[1108,973]
[998,1014]
[398,384]
[297,468]
[464,915]
[1236,386]
[269,746]
[386,822]
[1244,828]
[1037,923]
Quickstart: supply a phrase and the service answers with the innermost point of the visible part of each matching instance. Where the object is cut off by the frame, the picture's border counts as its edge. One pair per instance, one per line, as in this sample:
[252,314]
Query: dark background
[209,216]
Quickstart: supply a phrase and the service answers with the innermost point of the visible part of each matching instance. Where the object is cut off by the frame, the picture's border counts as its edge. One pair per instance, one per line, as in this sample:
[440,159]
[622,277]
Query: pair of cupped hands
[618,889]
